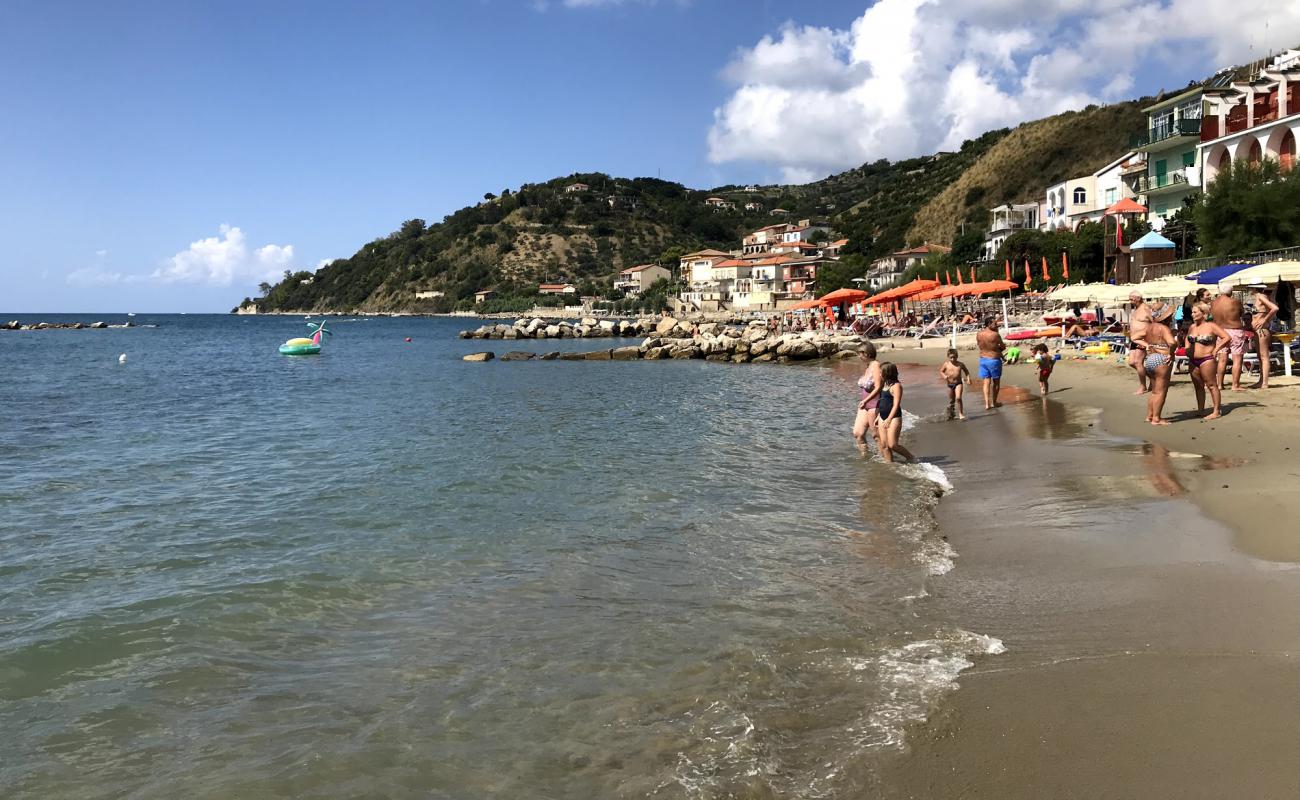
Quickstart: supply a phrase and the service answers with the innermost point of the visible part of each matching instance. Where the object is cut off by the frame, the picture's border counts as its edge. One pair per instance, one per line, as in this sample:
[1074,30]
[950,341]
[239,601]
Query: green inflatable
[306,347]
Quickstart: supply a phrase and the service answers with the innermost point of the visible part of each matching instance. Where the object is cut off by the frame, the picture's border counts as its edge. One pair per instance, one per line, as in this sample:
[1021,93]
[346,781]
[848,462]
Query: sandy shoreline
[1143,580]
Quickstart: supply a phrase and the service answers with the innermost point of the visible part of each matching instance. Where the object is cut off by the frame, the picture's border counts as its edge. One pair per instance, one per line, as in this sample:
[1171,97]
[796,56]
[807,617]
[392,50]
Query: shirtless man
[1226,311]
[1138,322]
[1261,320]
[991,346]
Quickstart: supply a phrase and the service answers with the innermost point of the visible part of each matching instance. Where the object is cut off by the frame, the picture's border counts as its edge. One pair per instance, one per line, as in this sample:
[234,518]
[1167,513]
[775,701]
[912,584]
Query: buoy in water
[121,359]
[408,338]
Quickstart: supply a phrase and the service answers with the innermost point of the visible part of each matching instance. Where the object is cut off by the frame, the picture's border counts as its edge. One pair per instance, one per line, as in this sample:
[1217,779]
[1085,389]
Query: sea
[386,572]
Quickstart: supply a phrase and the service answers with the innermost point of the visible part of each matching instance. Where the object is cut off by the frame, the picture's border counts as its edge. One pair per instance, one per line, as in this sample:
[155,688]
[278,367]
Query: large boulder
[551,356]
[801,351]
[740,358]
[510,333]
[518,355]
[599,355]
[589,322]
[652,341]
[608,327]
[581,331]
[705,344]
[487,355]
[626,328]
[93,325]
[553,331]
[465,334]
[630,353]
[665,326]
[578,356]
[764,358]
[717,357]
[709,329]
[686,351]
[656,353]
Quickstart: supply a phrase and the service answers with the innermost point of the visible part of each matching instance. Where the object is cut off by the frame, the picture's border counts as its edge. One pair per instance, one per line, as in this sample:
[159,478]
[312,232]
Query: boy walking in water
[1043,360]
[954,373]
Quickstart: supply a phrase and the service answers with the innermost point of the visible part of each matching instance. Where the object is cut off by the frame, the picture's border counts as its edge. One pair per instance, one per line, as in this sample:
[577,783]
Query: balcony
[1169,181]
[1166,132]
[1133,166]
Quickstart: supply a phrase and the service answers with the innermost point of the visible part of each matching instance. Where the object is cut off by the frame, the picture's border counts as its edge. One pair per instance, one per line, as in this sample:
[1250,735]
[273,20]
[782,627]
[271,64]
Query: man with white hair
[1138,322]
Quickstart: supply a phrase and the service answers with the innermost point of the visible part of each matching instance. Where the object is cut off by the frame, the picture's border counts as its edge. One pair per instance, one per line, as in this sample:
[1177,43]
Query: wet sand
[1143,581]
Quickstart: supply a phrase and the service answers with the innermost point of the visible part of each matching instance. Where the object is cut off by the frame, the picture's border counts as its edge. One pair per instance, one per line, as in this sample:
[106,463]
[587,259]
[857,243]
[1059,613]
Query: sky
[162,156]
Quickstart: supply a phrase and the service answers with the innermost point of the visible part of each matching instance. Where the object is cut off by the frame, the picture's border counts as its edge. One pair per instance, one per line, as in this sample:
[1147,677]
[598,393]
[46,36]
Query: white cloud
[914,76]
[98,276]
[224,259]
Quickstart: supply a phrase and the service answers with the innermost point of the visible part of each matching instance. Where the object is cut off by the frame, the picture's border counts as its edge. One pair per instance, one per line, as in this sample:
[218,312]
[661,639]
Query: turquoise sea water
[384,572]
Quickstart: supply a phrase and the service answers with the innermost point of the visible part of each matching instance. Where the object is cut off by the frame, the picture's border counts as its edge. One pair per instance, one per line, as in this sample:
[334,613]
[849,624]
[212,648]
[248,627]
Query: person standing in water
[1262,322]
[991,346]
[891,414]
[1159,363]
[1206,342]
[869,387]
[954,373]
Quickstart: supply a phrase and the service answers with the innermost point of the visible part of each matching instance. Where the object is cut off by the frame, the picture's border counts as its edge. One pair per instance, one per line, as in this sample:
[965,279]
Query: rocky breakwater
[15,325]
[714,342]
[590,328]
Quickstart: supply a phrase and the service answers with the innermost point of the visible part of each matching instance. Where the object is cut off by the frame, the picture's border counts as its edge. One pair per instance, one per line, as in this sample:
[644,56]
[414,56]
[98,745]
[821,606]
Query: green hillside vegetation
[512,241]
[1021,166]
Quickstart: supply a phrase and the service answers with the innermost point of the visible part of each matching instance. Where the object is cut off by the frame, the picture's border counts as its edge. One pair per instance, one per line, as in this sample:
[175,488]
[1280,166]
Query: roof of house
[554,285]
[638,268]
[732,262]
[924,250]
[706,254]
[839,242]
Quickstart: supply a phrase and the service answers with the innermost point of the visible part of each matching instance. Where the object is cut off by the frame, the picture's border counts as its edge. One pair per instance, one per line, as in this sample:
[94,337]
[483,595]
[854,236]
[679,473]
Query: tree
[1181,229]
[488,196]
[1250,207]
[263,289]
[411,229]
[818,237]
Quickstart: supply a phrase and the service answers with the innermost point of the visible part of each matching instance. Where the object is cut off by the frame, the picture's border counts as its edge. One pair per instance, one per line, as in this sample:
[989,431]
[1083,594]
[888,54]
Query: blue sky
[134,131]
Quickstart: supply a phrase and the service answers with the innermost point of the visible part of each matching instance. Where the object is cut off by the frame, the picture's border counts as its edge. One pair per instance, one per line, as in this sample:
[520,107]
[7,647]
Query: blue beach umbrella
[1215,274]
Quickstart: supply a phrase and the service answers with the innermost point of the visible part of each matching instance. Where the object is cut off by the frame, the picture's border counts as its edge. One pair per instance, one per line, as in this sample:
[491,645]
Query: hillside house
[779,212]
[1071,203]
[557,288]
[1008,219]
[832,249]
[635,280]
[753,205]
[577,187]
[887,270]
[719,203]
[431,295]
[483,295]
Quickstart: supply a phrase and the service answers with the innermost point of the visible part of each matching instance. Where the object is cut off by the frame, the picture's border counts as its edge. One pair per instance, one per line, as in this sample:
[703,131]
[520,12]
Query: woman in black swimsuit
[1205,342]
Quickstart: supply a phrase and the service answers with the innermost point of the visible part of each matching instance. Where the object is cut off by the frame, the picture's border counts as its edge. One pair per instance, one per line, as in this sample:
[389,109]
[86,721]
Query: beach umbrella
[1046,276]
[1267,274]
[1126,206]
[1028,277]
[1169,288]
[805,304]
[1065,267]
[841,296]
[1007,265]
[1213,275]
[972,275]
[960,282]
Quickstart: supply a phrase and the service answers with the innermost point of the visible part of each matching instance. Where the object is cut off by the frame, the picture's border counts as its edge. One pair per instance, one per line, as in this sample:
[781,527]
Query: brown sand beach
[1145,581]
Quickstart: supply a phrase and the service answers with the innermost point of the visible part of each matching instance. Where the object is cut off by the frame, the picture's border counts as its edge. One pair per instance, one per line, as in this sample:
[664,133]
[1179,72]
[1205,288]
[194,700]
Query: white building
[1249,121]
[1007,220]
[1071,203]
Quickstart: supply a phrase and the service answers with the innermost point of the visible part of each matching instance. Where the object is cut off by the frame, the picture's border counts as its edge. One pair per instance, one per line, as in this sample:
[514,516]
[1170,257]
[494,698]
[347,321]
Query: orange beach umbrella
[841,296]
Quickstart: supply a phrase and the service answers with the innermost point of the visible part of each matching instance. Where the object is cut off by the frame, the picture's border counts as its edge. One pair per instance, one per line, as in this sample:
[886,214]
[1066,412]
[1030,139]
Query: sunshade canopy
[1213,275]
[844,296]
[1152,241]
[1127,206]
[906,290]
[1267,274]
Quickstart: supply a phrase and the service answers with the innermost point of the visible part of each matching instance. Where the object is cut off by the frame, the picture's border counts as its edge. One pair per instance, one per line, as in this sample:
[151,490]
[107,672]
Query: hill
[1023,163]
[584,228]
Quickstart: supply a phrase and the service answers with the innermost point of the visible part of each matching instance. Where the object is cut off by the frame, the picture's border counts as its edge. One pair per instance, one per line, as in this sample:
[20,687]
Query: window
[1080,196]
[1189,158]
[1111,196]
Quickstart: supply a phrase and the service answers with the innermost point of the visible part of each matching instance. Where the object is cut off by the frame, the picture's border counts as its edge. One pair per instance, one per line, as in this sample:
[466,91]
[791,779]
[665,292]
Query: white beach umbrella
[1267,273]
[1173,287]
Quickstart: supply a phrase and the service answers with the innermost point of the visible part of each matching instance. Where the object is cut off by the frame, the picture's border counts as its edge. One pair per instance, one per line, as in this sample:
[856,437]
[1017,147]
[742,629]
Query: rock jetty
[753,343]
[589,328]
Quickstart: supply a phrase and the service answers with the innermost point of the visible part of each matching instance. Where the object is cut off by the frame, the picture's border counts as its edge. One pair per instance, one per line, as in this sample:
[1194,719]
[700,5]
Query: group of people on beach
[1214,331]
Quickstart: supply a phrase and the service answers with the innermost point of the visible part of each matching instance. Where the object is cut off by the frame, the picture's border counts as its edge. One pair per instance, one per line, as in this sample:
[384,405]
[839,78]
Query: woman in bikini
[869,396]
[1159,361]
[1262,322]
[1206,341]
